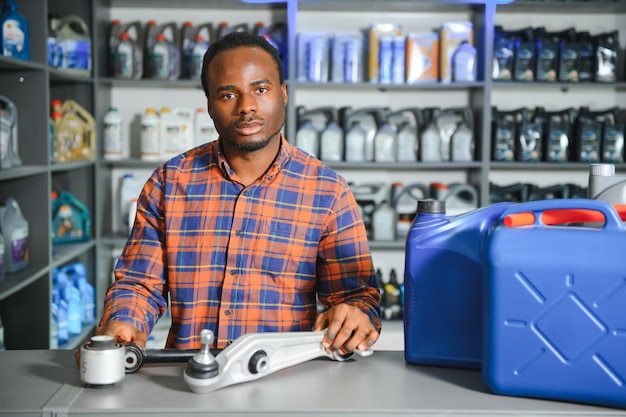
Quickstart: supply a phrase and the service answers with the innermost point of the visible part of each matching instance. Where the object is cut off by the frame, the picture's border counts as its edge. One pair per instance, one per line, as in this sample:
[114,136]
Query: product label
[77,54]
[12,38]
[5,138]
[19,245]
[149,139]
[2,270]
[112,138]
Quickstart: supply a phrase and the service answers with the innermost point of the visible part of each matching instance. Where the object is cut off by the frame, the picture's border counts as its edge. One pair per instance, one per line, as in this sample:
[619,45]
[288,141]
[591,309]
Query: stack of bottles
[69,44]
[14,32]
[73,303]
[169,51]
[379,134]
[388,210]
[9,153]
[164,134]
[384,55]
[392,295]
[535,54]
[566,135]
[524,191]
[72,132]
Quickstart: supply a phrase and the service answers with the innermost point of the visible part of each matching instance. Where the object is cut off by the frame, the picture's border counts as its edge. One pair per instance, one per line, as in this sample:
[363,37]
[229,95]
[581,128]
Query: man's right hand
[122,332]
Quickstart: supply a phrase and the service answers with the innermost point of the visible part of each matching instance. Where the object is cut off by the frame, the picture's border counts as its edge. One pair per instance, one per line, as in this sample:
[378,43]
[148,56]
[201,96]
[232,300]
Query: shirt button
[233,271]
[245,193]
[229,342]
[238,232]
[227,313]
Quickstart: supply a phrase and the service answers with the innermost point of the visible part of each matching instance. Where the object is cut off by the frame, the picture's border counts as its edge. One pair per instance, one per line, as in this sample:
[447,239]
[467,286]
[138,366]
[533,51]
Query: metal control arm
[136,356]
[250,357]
[253,356]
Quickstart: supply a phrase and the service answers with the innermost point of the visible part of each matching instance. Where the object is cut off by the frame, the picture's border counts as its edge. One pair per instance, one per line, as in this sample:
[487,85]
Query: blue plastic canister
[556,306]
[443,285]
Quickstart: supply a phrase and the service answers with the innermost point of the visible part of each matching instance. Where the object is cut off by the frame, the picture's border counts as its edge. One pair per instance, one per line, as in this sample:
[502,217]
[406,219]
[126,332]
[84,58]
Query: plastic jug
[405,203]
[75,41]
[115,147]
[77,130]
[71,221]
[2,251]
[331,138]
[443,285]
[369,196]
[163,55]
[195,41]
[459,198]
[204,127]
[14,32]
[386,138]
[356,122]
[605,185]
[15,229]
[430,138]
[555,300]
[407,121]
[150,135]
[126,42]
[9,154]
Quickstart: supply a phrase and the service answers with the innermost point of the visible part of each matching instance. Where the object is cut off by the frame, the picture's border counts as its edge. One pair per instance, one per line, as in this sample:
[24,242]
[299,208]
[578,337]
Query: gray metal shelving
[25,296]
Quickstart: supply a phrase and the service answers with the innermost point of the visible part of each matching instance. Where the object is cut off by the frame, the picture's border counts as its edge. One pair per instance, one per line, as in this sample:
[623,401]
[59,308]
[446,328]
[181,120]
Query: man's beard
[253,147]
[257,146]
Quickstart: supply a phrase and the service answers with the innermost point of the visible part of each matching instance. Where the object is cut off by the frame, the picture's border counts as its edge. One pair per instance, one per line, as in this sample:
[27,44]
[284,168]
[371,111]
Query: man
[245,233]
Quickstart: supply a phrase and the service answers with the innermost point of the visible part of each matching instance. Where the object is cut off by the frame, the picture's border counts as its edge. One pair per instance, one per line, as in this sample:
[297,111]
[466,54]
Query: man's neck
[250,166]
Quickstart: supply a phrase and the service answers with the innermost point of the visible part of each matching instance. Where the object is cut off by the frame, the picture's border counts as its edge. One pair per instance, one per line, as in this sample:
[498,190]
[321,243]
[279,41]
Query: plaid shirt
[239,259]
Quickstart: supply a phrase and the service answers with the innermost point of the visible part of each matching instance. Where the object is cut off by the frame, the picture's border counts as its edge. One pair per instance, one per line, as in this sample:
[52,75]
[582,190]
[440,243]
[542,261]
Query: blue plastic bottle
[59,311]
[78,275]
[443,285]
[71,296]
[14,34]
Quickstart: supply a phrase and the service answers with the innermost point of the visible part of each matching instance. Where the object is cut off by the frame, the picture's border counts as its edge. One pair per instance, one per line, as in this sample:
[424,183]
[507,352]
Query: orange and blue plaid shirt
[239,259]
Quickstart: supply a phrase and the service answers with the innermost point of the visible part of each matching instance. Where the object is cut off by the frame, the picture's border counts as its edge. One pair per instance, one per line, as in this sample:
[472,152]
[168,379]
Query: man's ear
[285,96]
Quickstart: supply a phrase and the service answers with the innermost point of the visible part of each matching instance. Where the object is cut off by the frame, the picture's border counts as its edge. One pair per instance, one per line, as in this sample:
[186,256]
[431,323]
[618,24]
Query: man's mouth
[249,127]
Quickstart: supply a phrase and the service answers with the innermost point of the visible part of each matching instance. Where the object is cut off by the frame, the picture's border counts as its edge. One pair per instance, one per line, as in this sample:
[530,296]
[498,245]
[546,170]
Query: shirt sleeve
[345,267]
[138,295]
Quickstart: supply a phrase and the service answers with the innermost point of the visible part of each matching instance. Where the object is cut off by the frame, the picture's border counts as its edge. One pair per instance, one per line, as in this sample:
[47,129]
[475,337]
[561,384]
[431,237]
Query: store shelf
[14,282]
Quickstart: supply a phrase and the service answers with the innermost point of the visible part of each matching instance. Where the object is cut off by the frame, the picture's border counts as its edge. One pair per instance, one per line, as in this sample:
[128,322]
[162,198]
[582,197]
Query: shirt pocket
[286,249]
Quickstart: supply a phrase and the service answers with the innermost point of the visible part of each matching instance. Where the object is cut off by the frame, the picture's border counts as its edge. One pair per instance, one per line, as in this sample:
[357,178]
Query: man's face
[246,100]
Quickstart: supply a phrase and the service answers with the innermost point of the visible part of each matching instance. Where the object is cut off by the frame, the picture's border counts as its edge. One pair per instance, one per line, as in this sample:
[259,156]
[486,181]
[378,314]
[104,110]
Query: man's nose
[247,104]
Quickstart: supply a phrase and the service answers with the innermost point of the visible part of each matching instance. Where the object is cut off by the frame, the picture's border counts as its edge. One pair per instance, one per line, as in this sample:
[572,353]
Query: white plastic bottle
[204,128]
[176,131]
[384,222]
[197,56]
[161,57]
[132,213]
[114,146]
[124,62]
[127,193]
[2,249]
[150,136]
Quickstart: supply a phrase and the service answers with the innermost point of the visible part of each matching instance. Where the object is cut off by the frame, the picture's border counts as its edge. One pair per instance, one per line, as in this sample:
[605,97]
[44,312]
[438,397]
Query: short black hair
[234,40]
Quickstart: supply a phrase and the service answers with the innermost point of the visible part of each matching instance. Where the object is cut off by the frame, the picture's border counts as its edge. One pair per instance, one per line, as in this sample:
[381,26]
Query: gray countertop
[41,382]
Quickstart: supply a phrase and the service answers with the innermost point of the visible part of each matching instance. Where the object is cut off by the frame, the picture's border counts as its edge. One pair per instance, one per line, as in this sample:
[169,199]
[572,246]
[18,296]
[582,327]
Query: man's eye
[262,89]
[229,95]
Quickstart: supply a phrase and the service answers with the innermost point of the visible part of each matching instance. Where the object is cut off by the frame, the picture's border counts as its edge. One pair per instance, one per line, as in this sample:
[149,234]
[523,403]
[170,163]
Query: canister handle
[530,212]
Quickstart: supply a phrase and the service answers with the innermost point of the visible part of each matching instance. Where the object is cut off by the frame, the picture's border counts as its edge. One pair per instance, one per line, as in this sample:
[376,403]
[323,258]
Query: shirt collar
[284,155]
